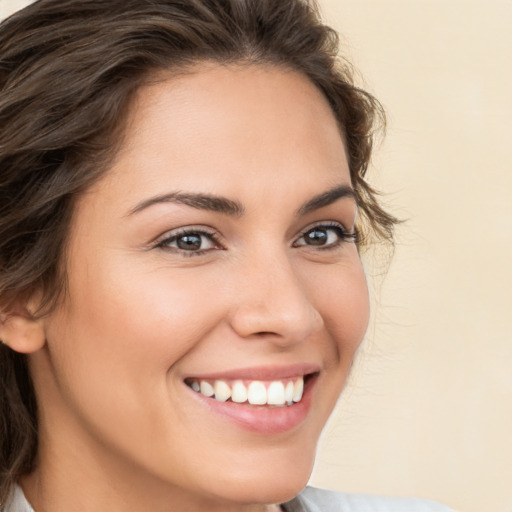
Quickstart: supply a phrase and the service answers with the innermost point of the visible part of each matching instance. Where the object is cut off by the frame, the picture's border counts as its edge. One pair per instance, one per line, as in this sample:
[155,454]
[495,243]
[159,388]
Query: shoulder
[321,500]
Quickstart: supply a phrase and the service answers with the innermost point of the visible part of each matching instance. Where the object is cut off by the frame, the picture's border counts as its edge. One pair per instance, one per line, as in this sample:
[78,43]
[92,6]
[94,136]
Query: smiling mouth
[275,393]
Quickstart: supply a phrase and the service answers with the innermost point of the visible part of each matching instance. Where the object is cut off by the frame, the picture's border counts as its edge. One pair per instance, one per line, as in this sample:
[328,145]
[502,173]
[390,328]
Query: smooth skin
[160,291]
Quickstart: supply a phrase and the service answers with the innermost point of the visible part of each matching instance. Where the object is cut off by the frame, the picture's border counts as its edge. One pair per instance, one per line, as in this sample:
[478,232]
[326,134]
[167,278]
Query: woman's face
[216,252]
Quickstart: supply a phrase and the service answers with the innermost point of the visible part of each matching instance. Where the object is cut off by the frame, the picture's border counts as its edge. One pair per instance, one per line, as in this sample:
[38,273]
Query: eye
[325,236]
[191,241]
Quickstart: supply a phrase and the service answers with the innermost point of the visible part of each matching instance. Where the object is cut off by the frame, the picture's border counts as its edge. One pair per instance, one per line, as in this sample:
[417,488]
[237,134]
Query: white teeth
[288,393]
[257,393]
[239,393]
[298,389]
[222,391]
[275,393]
[206,388]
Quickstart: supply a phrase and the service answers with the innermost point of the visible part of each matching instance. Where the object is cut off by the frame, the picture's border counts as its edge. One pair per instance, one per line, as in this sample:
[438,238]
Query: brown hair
[68,70]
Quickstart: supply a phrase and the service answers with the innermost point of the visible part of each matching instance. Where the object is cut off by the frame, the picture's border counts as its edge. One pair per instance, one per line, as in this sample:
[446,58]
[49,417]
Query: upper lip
[261,373]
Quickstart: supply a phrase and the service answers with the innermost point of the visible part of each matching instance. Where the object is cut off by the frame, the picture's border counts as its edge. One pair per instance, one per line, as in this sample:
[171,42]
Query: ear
[21,330]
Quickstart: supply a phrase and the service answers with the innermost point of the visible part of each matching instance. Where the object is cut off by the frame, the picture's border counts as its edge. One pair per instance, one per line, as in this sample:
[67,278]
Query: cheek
[146,318]
[343,302]
[113,346]
[128,326]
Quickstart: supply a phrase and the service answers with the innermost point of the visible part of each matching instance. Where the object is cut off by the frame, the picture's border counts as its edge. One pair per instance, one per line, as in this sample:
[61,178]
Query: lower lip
[263,419]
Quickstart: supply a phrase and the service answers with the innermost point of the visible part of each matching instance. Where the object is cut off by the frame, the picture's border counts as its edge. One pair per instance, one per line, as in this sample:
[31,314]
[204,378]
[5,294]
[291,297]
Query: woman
[183,206]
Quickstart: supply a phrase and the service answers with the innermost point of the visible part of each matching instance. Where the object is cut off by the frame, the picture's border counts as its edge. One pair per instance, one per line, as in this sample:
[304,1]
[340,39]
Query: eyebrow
[233,208]
[326,198]
[195,200]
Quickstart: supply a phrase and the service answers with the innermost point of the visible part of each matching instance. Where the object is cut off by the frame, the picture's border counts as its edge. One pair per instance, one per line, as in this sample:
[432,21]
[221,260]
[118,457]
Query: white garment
[309,500]
[17,502]
[312,499]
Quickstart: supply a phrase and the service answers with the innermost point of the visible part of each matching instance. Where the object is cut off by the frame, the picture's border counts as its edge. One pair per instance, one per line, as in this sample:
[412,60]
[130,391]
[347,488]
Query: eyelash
[211,235]
[342,234]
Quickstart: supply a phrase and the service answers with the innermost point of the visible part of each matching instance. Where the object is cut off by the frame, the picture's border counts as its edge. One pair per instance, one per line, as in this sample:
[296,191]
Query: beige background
[429,408]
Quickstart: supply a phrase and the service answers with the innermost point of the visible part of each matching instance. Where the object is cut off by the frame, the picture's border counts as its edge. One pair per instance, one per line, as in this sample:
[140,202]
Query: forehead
[226,126]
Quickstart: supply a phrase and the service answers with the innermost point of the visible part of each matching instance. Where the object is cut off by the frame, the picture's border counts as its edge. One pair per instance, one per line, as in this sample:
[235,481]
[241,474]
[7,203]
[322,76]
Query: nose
[272,302]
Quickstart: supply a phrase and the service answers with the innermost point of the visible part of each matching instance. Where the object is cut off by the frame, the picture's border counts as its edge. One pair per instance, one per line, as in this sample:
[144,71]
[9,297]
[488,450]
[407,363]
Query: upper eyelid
[174,233]
[325,223]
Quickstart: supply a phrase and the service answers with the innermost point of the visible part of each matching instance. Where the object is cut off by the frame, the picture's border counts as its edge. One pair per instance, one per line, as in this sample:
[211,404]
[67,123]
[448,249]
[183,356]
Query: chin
[276,488]
[269,481]
[281,488]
